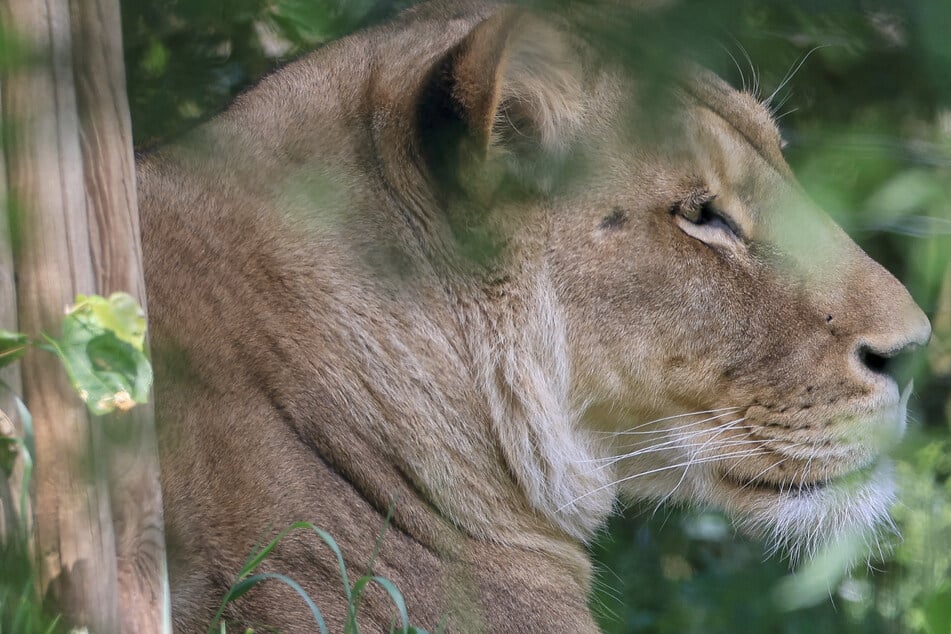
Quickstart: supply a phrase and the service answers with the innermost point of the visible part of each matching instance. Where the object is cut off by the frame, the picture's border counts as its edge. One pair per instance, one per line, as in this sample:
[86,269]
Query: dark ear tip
[458,99]
[440,126]
[515,81]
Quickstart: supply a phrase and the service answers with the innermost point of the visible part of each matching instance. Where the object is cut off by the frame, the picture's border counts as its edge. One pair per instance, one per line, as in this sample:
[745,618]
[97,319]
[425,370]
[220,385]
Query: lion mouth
[797,488]
[774,488]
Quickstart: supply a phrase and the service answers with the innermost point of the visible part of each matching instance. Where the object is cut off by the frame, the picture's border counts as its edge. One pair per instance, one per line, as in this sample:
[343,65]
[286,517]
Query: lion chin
[801,522]
[804,510]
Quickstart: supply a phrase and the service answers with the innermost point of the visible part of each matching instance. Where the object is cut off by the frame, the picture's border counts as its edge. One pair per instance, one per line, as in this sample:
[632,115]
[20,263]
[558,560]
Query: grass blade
[397,598]
[332,544]
[255,559]
[253,580]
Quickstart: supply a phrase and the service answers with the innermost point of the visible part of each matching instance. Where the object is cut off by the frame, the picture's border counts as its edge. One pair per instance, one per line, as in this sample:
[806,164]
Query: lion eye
[699,217]
[708,215]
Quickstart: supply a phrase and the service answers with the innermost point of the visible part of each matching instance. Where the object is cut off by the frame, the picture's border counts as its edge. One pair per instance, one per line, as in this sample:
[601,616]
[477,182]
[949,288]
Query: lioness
[456,266]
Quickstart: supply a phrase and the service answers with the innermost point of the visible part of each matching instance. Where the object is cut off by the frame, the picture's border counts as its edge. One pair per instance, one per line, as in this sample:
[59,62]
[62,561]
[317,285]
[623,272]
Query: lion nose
[878,355]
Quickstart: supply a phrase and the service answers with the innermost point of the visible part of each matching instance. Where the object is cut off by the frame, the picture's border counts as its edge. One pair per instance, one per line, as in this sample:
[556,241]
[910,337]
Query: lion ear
[509,95]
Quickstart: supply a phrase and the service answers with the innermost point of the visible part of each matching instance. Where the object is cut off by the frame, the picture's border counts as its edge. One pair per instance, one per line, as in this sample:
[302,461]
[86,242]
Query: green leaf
[27,449]
[12,346]
[120,313]
[397,598]
[332,544]
[239,589]
[246,581]
[9,443]
[102,348]
[243,586]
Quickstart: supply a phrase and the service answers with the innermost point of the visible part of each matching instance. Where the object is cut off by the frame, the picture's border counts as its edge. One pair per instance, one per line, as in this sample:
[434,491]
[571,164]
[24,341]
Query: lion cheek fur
[527,382]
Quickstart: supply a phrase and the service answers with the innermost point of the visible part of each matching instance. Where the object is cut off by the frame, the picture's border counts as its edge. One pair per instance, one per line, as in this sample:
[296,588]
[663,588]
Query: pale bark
[97,499]
[74,536]
[109,168]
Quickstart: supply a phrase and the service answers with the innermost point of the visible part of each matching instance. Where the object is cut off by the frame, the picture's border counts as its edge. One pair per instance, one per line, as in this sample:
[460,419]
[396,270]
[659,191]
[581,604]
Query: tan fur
[438,266]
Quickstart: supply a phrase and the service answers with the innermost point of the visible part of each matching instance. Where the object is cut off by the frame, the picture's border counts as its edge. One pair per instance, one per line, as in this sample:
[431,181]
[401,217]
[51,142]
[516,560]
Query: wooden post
[71,176]
[74,536]
[109,170]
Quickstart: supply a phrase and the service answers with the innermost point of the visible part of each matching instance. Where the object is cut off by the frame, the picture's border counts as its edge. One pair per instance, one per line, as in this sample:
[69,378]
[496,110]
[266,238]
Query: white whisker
[759,475]
[718,445]
[755,87]
[736,454]
[667,430]
[792,73]
[679,435]
[630,430]
[737,64]
[788,112]
[677,442]
[698,446]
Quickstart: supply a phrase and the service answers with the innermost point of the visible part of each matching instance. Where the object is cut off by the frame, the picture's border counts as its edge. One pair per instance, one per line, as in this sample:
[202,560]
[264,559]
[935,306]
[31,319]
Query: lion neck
[465,394]
[448,401]
[464,384]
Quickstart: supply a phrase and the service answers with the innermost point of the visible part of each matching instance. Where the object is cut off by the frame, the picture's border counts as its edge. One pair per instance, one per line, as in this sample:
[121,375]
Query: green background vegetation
[868,121]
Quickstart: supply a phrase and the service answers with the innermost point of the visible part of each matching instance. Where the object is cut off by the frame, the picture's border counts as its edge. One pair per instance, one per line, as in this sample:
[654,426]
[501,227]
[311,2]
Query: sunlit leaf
[119,313]
[102,349]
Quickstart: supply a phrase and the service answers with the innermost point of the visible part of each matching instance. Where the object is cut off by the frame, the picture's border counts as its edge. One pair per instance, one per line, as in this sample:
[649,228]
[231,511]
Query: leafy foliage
[102,348]
[187,59]
[19,610]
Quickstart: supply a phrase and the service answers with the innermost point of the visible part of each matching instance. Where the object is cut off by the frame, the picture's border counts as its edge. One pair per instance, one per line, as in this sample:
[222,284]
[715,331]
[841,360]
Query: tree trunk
[71,175]
[109,168]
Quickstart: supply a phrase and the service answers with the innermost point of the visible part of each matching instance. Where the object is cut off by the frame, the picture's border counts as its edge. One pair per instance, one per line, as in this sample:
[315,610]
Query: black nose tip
[883,361]
[874,361]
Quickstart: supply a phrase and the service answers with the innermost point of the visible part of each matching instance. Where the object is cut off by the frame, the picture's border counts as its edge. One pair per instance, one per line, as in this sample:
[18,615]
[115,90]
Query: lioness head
[707,332]
[471,262]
